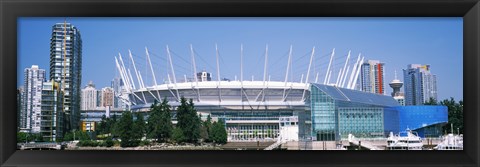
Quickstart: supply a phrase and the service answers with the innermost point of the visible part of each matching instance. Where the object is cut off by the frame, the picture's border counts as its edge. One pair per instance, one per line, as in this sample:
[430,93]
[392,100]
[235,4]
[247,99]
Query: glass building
[337,112]
[52,122]
[66,68]
[420,84]
[426,120]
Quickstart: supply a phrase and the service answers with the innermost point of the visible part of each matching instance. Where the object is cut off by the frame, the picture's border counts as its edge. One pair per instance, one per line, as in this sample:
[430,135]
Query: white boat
[404,141]
[450,142]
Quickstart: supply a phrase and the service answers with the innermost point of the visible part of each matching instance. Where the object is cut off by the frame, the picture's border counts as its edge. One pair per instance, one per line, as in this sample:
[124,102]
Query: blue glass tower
[66,69]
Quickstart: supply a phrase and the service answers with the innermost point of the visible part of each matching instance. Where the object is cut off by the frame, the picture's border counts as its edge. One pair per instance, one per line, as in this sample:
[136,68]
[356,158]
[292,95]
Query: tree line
[132,130]
[455,114]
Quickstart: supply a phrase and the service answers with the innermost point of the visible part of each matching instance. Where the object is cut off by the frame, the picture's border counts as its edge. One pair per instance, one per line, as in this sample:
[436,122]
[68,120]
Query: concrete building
[66,68]
[118,89]
[372,77]
[20,92]
[53,118]
[107,97]
[89,97]
[420,84]
[30,117]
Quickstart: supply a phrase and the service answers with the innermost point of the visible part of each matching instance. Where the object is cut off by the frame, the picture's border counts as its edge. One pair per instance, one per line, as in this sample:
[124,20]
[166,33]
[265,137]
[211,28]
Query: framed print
[163,83]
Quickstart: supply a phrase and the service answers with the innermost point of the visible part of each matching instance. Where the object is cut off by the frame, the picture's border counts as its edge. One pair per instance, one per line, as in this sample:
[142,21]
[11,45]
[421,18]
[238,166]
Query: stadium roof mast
[345,71]
[338,77]
[153,75]
[195,72]
[241,64]
[357,73]
[345,77]
[173,72]
[151,67]
[265,73]
[218,65]
[122,75]
[308,73]
[265,66]
[288,68]
[354,69]
[139,76]
[329,73]
[129,78]
[135,68]
[218,75]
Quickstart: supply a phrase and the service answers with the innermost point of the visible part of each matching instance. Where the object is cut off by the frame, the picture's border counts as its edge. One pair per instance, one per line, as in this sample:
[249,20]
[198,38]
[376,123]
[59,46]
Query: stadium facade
[253,110]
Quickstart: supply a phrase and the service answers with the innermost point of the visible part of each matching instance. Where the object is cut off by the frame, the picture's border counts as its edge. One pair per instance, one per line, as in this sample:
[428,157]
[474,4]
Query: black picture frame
[10,10]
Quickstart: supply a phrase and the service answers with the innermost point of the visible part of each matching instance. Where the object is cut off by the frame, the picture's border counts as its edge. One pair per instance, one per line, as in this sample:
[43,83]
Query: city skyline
[254,34]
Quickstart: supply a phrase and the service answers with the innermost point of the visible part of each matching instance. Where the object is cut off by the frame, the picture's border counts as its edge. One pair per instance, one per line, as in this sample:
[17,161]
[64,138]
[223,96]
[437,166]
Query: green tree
[219,134]
[138,126]
[455,115]
[23,137]
[188,120]
[431,101]
[208,128]
[125,130]
[160,122]
[81,135]
[177,135]
[112,125]
[102,126]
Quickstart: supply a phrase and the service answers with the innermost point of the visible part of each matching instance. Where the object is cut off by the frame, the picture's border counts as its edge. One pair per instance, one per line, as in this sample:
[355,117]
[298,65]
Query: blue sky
[394,41]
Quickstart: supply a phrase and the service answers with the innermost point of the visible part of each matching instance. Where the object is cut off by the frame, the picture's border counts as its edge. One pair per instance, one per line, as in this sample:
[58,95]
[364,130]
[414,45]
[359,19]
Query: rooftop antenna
[395,74]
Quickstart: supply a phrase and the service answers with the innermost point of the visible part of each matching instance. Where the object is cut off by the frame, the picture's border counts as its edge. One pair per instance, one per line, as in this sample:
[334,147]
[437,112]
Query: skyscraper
[19,106]
[30,117]
[52,127]
[420,84]
[372,77]
[118,89]
[89,97]
[66,68]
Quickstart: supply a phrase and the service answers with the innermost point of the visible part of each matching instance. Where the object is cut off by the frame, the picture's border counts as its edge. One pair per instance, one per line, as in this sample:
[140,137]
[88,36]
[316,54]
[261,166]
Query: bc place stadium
[319,109]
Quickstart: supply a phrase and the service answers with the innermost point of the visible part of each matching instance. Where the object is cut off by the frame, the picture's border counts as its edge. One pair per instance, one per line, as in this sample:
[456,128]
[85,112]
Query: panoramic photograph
[240,83]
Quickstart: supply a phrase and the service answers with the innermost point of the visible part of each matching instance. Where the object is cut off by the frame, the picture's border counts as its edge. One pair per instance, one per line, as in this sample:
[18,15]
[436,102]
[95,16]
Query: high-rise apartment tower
[420,84]
[66,69]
